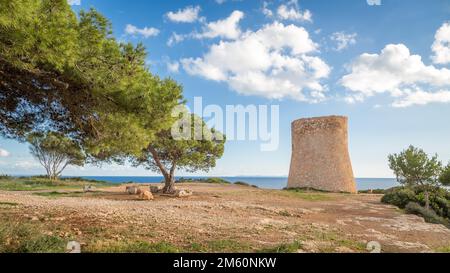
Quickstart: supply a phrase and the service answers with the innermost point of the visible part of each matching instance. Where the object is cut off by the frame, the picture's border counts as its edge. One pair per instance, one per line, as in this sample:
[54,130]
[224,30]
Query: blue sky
[384,65]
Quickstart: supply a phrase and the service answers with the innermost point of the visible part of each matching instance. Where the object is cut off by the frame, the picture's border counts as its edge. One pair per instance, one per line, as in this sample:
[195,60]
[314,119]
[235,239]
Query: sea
[261,182]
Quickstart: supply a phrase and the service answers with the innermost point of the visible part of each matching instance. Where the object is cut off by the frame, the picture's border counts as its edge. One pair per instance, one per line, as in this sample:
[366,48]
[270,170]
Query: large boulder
[133,190]
[146,195]
[183,193]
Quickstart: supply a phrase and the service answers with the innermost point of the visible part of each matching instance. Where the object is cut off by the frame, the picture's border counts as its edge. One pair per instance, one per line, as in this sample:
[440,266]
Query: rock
[133,190]
[73,247]
[183,193]
[88,188]
[34,218]
[155,189]
[146,195]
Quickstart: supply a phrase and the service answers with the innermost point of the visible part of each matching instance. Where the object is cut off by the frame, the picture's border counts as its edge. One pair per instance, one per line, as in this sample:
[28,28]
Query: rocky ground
[224,218]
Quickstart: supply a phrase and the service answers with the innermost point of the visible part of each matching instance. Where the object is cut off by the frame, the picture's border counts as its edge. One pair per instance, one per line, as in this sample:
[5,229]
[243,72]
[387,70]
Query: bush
[399,197]
[240,183]
[429,215]
[212,180]
[5,177]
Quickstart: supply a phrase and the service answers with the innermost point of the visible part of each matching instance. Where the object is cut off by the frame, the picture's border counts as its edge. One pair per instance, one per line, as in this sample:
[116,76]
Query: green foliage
[67,74]
[245,184]
[429,215]
[399,197]
[308,195]
[414,167]
[216,180]
[197,151]
[439,199]
[211,180]
[26,238]
[5,177]
[444,178]
[35,183]
[55,152]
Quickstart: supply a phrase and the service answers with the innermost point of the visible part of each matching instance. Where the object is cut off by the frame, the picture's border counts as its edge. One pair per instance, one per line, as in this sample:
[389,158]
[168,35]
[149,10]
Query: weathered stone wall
[320,157]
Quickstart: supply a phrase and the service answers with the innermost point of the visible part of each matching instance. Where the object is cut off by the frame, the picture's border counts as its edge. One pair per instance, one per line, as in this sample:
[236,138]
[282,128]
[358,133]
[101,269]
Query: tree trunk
[169,177]
[169,186]
[427,199]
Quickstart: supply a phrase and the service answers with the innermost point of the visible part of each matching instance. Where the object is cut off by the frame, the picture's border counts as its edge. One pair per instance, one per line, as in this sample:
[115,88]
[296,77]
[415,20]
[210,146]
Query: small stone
[88,188]
[183,193]
[34,218]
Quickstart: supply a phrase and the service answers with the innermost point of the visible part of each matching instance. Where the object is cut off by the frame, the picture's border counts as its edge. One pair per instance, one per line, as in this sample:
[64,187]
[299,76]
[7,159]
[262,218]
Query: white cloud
[227,28]
[173,66]
[292,12]
[441,45]
[27,165]
[265,9]
[374,2]
[397,72]
[274,62]
[176,38]
[146,31]
[74,2]
[186,15]
[4,153]
[420,97]
[343,40]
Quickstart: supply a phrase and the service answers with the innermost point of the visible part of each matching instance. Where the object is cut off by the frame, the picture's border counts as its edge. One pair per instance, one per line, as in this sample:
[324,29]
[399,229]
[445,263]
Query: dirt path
[258,219]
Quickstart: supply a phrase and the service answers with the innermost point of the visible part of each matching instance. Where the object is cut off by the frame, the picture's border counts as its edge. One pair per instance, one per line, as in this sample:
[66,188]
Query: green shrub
[399,197]
[429,215]
[26,238]
[241,183]
[212,180]
[216,180]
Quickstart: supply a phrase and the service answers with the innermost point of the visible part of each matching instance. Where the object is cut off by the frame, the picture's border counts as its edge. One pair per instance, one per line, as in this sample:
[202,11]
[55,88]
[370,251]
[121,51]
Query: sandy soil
[260,218]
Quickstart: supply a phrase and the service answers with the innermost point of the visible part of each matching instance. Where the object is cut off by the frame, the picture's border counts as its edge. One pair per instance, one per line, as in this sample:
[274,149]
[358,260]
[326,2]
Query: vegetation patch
[308,195]
[227,246]
[41,183]
[131,247]
[212,180]
[19,237]
[439,201]
[376,191]
[443,249]
[245,184]
[283,248]
[8,204]
[429,215]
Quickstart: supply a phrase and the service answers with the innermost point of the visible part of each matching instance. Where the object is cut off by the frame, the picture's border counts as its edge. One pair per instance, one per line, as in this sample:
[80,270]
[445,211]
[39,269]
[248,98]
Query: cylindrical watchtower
[320,157]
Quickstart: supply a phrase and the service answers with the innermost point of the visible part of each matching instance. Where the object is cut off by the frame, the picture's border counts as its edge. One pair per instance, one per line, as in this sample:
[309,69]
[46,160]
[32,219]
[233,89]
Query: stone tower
[320,157]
